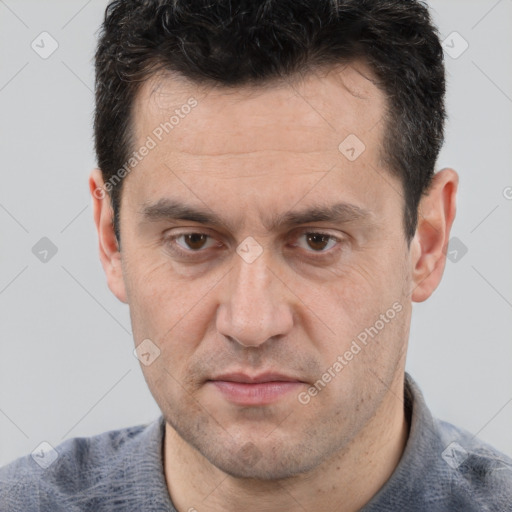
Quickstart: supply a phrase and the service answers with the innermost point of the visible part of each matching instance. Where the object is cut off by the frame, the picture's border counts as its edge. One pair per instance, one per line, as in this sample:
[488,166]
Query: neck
[345,482]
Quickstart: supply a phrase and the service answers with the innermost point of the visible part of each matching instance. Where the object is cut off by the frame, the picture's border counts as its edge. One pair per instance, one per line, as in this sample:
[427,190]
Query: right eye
[191,243]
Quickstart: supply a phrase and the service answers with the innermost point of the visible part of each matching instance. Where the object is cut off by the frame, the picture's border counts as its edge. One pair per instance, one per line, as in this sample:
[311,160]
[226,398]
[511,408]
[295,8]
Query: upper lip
[254,379]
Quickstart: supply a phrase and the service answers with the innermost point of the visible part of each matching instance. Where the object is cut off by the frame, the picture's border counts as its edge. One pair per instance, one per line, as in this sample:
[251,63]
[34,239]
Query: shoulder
[475,469]
[45,479]
[444,467]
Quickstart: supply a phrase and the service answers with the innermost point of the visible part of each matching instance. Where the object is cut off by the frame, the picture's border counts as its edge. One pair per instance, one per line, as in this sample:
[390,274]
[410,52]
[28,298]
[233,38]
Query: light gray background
[66,364]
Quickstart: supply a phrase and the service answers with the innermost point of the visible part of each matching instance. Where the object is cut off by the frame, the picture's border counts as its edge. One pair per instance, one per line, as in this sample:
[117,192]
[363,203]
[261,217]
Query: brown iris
[195,240]
[319,240]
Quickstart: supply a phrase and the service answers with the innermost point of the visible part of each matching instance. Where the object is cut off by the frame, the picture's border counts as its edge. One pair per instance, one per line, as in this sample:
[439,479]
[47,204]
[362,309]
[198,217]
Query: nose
[256,305]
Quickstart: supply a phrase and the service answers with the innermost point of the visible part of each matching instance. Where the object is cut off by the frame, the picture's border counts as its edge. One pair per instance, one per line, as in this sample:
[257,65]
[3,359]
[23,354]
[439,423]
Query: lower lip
[261,393]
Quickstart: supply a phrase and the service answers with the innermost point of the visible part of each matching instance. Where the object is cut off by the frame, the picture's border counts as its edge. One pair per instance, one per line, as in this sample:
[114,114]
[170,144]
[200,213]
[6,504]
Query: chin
[262,462]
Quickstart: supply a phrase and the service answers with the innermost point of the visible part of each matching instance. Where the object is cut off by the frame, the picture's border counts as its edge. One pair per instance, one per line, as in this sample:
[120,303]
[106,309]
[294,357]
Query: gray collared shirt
[443,468]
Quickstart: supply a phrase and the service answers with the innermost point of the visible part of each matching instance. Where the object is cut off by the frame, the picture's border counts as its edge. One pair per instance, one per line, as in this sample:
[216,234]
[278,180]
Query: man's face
[294,296]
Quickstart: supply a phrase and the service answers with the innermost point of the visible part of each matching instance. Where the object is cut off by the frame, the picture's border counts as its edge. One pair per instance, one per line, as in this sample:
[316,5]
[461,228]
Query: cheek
[149,295]
[352,303]
[357,292]
[172,315]
[170,310]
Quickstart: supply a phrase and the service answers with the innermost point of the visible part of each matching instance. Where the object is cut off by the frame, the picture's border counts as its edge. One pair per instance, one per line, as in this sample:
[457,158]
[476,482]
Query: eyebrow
[173,209]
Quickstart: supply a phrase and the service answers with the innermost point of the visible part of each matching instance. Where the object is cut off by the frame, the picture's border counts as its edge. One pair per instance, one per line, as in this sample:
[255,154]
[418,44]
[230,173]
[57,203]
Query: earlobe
[110,255]
[436,214]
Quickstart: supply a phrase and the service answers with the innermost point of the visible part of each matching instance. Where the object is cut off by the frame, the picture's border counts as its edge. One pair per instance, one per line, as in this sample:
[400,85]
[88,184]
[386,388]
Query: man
[266,204]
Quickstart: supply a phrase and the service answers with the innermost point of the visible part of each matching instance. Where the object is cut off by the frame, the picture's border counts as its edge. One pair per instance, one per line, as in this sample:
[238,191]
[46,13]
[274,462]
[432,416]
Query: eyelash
[176,249]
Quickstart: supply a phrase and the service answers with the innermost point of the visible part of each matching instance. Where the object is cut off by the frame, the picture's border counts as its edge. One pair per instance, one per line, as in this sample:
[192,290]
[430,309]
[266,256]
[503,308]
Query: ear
[110,255]
[436,213]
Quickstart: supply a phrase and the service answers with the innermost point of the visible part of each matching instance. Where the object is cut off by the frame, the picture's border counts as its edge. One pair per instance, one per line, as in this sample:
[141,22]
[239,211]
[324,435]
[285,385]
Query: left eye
[319,242]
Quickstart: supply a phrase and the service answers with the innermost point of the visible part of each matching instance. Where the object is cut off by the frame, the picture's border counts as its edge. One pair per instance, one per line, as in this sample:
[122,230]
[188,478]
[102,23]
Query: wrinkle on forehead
[278,131]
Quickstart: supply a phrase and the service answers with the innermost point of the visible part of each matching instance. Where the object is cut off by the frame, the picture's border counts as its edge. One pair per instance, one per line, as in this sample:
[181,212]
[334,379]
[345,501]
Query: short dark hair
[241,42]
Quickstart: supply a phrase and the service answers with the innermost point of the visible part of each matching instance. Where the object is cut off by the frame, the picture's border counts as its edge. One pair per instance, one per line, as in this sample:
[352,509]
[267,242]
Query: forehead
[261,148]
[308,112]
